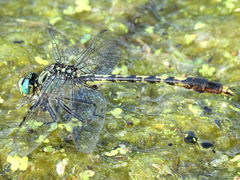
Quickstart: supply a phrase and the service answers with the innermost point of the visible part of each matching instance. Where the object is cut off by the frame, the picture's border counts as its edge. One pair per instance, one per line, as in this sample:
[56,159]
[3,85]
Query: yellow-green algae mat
[143,137]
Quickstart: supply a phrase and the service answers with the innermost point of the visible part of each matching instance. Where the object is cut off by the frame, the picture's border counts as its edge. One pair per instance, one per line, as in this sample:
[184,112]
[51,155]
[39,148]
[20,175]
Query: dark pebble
[207,145]
[207,109]
[18,42]
[190,137]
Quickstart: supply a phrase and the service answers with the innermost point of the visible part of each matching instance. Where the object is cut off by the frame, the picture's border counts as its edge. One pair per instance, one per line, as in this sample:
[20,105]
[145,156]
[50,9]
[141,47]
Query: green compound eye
[26,87]
[26,84]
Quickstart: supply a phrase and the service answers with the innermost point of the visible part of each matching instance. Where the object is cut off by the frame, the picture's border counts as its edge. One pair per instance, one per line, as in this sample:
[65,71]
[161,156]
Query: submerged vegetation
[151,131]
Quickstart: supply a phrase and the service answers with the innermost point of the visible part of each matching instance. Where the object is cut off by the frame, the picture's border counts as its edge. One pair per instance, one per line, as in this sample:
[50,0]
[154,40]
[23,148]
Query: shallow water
[143,135]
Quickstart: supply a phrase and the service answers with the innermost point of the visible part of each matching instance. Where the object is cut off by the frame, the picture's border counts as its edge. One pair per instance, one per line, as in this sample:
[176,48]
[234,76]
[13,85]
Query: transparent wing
[99,58]
[91,105]
[85,105]
[63,50]
[31,134]
[40,120]
[68,102]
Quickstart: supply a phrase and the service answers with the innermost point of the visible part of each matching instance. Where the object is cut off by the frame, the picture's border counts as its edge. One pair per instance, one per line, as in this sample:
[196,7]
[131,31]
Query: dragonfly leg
[29,112]
[70,111]
[50,109]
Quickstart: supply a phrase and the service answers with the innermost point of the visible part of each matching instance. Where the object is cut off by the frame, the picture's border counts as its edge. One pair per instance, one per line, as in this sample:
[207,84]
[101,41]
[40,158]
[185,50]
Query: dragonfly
[60,93]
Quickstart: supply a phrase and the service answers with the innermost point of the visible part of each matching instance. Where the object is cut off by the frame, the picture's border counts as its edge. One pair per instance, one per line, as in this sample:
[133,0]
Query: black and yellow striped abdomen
[197,84]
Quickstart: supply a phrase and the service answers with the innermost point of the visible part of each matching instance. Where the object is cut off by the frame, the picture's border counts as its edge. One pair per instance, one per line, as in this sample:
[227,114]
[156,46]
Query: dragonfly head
[27,84]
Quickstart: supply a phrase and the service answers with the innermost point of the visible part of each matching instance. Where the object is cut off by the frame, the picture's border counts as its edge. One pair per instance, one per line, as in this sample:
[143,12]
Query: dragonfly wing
[101,56]
[32,133]
[91,104]
[63,50]
[40,119]
[87,106]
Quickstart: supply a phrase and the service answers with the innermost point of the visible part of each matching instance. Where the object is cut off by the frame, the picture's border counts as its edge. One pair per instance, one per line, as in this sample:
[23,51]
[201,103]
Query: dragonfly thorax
[68,71]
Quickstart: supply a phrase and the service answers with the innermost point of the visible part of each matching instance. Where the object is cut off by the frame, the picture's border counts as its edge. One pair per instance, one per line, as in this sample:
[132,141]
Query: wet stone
[190,137]
[207,145]
[207,109]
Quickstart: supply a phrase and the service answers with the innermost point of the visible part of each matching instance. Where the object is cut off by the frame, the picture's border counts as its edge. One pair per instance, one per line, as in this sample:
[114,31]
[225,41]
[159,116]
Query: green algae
[18,163]
[188,38]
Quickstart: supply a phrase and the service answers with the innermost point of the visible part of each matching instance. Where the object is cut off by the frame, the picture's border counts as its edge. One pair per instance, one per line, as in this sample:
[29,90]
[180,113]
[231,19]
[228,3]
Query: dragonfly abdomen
[120,78]
[197,84]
